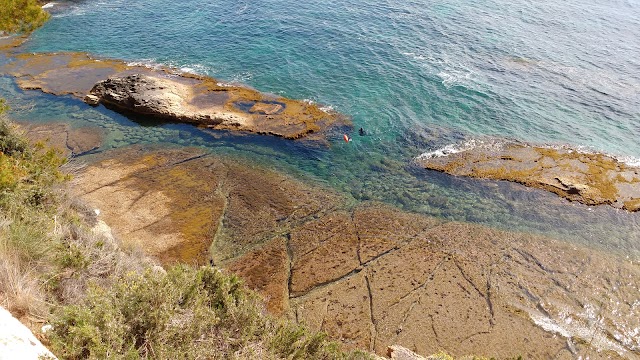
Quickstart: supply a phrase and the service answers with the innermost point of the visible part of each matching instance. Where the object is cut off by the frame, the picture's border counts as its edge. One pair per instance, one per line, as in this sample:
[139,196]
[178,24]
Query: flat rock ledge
[369,274]
[171,95]
[588,178]
[62,137]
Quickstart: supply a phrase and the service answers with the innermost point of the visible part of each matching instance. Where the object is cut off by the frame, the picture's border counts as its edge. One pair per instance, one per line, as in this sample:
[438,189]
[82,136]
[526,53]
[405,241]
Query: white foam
[328,109]
[586,326]
[452,77]
[629,160]
[147,63]
[73,11]
[497,144]
[197,69]
[626,159]
[460,147]
[242,77]
[48,5]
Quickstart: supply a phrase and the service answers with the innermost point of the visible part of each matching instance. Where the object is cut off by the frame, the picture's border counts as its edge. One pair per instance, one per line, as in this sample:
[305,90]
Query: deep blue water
[416,75]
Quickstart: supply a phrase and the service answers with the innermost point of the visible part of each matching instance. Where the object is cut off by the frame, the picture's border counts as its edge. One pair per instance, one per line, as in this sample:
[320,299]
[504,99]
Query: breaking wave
[463,146]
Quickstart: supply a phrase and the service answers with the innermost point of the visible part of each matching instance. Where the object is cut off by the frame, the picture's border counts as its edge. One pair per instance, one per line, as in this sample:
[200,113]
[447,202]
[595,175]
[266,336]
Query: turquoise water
[416,76]
[548,71]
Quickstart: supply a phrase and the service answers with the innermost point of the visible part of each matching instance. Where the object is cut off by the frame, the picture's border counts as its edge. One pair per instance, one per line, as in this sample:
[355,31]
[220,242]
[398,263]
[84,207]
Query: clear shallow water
[416,76]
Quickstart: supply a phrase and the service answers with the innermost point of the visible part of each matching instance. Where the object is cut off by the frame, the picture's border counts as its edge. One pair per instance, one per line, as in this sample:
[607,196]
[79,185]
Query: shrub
[186,313]
[27,172]
[28,176]
[21,16]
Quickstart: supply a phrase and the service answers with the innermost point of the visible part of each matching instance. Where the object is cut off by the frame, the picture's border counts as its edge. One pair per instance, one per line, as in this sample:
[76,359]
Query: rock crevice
[371,275]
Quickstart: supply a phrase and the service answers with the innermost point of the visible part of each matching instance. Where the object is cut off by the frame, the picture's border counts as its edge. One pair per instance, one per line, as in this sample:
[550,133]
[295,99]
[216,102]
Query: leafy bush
[21,16]
[186,313]
[27,172]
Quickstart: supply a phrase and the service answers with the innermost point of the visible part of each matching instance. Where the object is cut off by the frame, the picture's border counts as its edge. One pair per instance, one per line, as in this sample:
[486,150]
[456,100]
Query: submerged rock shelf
[369,274]
[170,95]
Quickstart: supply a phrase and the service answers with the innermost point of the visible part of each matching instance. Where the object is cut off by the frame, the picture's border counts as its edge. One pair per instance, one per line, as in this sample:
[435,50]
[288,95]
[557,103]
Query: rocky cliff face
[371,275]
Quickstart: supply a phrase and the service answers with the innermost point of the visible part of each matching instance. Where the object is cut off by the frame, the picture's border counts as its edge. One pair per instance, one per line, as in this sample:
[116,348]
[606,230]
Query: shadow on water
[368,168]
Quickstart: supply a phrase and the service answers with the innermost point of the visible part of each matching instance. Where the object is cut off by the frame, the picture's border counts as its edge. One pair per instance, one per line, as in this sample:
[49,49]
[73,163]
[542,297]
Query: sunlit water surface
[416,76]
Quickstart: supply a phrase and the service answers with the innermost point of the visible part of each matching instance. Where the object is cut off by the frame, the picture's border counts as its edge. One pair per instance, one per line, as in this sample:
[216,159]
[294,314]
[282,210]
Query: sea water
[416,76]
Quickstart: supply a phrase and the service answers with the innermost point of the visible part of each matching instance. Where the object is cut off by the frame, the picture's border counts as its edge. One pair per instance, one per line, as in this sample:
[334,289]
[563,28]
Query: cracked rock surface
[69,141]
[369,274]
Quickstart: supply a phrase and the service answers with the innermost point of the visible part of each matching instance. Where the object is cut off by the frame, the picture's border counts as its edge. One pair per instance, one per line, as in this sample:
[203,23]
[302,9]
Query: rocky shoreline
[370,275]
[588,178]
[171,95]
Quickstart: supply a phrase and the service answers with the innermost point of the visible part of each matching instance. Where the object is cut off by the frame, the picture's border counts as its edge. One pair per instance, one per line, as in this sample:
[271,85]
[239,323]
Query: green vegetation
[185,313]
[28,179]
[108,303]
[21,16]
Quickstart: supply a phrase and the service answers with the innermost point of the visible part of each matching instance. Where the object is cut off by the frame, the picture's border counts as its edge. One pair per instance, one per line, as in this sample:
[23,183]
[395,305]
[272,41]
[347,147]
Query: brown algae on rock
[170,95]
[588,178]
[369,274]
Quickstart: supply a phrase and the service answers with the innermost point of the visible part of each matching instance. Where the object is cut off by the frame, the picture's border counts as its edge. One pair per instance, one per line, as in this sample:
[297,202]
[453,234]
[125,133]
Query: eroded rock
[588,178]
[170,95]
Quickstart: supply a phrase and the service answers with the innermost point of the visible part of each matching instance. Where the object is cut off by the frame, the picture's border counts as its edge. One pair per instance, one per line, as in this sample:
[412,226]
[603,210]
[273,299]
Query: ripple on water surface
[361,170]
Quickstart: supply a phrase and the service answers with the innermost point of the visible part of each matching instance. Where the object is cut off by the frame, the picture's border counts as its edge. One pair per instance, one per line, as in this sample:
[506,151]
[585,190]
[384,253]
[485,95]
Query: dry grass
[93,255]
[22,293]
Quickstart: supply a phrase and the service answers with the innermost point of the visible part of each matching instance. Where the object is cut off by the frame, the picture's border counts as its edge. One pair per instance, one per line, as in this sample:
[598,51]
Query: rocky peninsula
[588,178]
[171,95]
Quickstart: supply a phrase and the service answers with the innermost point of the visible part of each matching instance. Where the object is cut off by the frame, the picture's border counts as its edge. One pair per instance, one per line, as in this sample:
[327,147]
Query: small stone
[157,269]
[46,328]
[92,100]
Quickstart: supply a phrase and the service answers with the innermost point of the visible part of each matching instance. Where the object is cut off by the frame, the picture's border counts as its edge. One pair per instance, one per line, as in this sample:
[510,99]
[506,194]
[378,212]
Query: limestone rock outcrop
[588,178]
[171,95]
[18,342]
[144,94]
